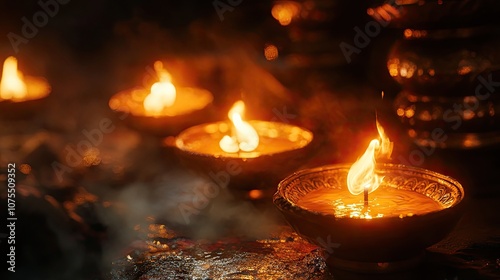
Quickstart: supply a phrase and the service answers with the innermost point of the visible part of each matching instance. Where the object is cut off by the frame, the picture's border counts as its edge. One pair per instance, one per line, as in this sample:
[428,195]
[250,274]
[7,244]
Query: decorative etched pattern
[443,191]
[385,236]
[440,188]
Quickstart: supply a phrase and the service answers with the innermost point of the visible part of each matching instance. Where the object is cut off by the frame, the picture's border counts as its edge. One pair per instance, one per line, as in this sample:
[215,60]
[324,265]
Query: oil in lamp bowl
[192,106]
[38,90]
[282,149]
[385,244]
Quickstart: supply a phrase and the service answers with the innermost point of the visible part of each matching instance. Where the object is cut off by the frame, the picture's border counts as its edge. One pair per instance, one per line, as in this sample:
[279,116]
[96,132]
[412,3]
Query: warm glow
[271,52]
[255,194]
[362,174]
[12,85]
[386,145]
[162,93]
[404,69]
[285,12]
[244,136]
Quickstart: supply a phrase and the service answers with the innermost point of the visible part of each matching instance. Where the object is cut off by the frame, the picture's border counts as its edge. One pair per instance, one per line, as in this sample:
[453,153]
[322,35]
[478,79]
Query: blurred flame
[285,12]
[402,69]
[244,136]
[255,194]
[162,93]
[12,85]
[25,168]
[91,157]
[362,175]
[271,52]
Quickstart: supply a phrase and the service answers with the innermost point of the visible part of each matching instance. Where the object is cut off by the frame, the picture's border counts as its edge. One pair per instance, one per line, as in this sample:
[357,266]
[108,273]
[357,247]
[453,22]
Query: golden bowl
[281,150]
[192,106]
[385,244]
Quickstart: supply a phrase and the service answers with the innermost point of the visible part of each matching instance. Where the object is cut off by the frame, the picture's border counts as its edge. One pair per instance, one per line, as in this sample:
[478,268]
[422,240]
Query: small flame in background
[362,174]
[12,85]
[285,12]
[163,93]
[244,136]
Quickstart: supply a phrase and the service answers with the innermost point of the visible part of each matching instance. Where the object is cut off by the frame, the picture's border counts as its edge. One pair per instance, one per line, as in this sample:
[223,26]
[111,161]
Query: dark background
[77,227]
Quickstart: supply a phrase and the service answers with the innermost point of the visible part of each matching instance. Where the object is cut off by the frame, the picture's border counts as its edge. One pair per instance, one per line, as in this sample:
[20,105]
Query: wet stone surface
[284,256]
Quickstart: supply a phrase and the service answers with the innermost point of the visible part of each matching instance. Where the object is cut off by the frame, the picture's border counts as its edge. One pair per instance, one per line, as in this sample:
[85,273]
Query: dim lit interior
[236,139]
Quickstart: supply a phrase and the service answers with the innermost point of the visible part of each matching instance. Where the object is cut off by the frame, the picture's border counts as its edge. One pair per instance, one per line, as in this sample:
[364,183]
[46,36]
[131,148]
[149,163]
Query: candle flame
[163,93]
[12,85]
[244,136]
[362,174]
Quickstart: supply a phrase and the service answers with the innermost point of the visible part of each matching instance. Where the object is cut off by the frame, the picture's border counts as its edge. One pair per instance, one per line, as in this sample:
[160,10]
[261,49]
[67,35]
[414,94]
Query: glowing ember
[244,136]
[362,175]
[12,85]
[162,93]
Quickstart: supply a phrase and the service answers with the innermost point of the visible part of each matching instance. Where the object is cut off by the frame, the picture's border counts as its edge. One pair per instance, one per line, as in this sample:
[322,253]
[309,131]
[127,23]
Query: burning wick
[362,177]
[244,137]
[365,192]
[163,93]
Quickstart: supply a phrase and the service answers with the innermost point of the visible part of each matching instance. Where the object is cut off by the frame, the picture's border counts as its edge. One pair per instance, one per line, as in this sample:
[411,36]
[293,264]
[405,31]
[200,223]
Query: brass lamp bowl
[17,109]
[10,110]
[384,244]
[281,151]
[195,106]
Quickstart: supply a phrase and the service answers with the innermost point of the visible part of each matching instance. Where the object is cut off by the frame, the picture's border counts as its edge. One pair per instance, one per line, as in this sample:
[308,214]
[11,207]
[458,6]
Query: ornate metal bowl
[424,118]
[38,93]
[261,169]
[448,85]
[21,110]
[128,105]
[382,244]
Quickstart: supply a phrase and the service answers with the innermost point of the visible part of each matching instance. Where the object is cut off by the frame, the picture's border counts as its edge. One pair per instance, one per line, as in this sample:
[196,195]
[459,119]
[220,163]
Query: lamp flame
[285,12]
[12,85]
[244,136]
[163,93]
[362,174]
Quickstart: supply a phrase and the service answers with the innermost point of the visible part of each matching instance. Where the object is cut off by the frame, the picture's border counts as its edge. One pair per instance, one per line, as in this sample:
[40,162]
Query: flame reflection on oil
[385,202]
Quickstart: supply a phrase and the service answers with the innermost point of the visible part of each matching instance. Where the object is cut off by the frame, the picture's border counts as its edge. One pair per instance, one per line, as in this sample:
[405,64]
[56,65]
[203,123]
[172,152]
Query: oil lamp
[20,96]
[164,109]
[402,211]
[264,152]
